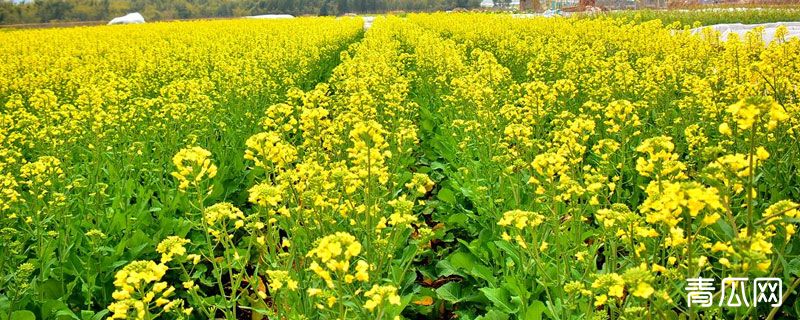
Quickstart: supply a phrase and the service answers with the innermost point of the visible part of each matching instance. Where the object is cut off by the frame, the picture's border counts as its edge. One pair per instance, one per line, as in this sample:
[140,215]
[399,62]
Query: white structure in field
[131,18]
[368,22]
[741,30]
[513,4]
[271,16]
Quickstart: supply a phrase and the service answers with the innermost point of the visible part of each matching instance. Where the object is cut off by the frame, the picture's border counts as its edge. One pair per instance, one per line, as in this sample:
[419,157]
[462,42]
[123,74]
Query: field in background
[435,166]
[710,16]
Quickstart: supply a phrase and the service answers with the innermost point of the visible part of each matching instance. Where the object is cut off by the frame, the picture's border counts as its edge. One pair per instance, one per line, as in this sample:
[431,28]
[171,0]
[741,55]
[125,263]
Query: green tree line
[101,10]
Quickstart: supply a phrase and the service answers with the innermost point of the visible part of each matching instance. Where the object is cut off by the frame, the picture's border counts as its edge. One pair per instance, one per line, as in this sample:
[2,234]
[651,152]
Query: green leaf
[87,314]
[482,271]
[22,315]
[794,266]
[470,264]
[436,165]
[51,289]
[499,297]
[447,269]
[66,314]
[5,306]
[100,314]
[535,310]
[462,260]
[458,219]
[58,310]
[427,125]
[493,315]
[447,195]
[450,292]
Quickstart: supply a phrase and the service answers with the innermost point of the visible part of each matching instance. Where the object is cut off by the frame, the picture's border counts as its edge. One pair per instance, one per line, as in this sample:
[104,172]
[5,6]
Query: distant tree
[50,10]
[225,9]
[6,12]
[101,9]
[343,7]
[138,5]
[181,10]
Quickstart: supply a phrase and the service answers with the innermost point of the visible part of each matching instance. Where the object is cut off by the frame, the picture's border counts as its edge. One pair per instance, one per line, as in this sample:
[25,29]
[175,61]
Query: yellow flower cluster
[668,201]
[140,292]
[378,294]
[661,162]
[402,216]
[334,253]
[269,151]
[171,247]
[749,252]
[522,224]
[746,112]
[369,151]
[420,184]
[8,191]
[279,279]
[193,167]
[521,219]
[266,194]
[613,285]
[218,219]
[41,172]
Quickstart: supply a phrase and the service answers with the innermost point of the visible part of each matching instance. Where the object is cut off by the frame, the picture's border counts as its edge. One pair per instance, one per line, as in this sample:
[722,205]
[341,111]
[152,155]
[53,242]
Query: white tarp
[741,29]
[368,22]
[271,16]
[131,18]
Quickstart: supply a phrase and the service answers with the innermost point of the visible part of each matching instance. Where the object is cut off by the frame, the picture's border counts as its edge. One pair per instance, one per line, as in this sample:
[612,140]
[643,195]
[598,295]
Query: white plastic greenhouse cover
[131,18]
[368,20]
[271,16]
[742,29]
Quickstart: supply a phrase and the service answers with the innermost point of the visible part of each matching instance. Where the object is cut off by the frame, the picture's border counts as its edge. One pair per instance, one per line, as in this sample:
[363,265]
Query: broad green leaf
[51,289]
[447,195]
[22,315]
[500,299]
[508,249]
[436,165]
[462,260]
[794,267]
[447,269]
[471,265]
[535,310]
[450,292]
[494,315]
[100,314]
[57,309]
[66,314]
